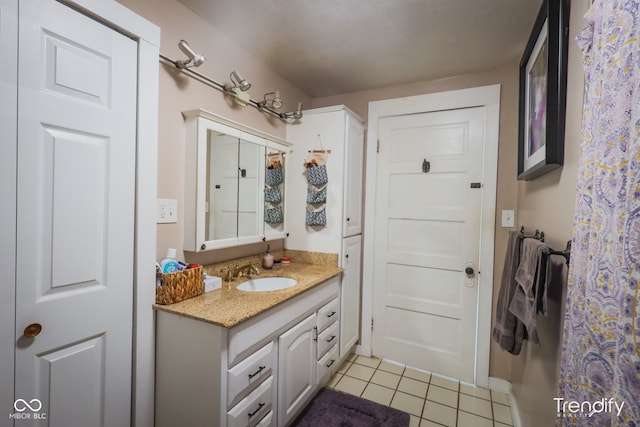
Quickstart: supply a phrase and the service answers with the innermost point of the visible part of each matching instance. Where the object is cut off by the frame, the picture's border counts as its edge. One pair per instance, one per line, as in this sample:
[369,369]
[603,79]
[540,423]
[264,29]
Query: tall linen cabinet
[340,132]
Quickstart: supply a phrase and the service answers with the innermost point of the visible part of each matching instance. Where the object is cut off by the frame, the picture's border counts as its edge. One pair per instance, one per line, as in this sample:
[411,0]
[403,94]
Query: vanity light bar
[288,117]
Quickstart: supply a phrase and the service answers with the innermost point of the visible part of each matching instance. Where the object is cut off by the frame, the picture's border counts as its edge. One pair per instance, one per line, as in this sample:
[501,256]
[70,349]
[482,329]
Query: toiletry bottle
[267,259]
[169,263]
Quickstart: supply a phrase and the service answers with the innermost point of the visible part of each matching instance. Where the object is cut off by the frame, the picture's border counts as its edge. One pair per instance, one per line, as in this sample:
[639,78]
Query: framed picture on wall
[543,87]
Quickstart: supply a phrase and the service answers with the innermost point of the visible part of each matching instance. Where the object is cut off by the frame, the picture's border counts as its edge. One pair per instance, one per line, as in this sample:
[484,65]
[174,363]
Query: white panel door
[296,368]
[427,234]
[75,225]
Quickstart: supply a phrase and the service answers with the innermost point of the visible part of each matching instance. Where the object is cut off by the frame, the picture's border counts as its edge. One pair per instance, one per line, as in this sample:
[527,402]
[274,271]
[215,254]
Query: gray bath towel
[531,277]
[509,331]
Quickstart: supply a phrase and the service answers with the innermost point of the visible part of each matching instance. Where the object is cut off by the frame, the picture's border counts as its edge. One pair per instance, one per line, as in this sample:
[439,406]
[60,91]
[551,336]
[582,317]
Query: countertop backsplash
[303,257]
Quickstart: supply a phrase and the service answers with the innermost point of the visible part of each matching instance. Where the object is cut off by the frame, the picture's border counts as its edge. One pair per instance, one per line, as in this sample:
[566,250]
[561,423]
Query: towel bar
[566,253]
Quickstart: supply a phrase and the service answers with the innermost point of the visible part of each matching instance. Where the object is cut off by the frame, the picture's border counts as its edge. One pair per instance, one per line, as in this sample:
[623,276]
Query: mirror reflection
[233,187]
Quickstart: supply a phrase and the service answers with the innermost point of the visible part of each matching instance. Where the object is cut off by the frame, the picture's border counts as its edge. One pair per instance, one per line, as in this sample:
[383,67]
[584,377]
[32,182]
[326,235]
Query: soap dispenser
[267,259]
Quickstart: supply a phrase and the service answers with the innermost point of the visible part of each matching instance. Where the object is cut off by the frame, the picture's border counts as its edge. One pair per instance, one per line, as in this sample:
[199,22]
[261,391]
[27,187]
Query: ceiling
[330,47]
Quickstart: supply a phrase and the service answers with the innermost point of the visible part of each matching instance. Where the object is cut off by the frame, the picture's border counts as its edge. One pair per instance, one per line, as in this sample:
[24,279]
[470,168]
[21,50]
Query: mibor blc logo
[28,410]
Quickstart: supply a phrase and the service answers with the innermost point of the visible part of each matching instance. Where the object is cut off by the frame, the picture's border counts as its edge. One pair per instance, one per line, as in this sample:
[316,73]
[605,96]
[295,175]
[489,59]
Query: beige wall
[180,93]
[507,197]
[547,203]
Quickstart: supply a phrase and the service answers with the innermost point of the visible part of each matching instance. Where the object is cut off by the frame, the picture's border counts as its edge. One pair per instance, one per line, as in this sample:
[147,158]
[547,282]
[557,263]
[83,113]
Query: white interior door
[75,224]
[427,233]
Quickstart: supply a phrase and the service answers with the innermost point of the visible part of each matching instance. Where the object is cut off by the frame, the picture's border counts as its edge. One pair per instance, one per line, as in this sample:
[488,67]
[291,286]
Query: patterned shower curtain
[600,363]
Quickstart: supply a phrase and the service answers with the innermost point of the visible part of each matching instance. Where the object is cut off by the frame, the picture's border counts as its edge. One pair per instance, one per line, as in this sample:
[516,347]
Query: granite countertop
[228,306]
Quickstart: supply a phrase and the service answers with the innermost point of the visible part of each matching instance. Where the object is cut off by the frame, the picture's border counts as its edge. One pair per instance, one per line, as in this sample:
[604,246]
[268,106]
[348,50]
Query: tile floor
[429,399]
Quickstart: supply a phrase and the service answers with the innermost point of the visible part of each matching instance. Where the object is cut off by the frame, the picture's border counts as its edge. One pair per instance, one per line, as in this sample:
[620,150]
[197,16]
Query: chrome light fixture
[237,82]
[271,100]
[292,116]
[195,59]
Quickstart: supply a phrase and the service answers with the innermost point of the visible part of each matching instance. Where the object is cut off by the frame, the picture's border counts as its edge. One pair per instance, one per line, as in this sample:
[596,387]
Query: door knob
[32,330]
[469,271]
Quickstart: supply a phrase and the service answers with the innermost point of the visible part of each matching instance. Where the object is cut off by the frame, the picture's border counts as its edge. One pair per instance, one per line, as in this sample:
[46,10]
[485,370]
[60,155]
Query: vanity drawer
[328,314]
[327,363]
[269,420]
[327,338]
[252,409]
[250,372]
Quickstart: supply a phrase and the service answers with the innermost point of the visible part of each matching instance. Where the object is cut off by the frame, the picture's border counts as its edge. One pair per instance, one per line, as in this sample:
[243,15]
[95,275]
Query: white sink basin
[264,284]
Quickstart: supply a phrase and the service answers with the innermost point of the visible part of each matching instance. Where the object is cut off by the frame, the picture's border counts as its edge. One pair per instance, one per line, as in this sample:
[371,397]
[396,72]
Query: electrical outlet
[167,211]
[508,219]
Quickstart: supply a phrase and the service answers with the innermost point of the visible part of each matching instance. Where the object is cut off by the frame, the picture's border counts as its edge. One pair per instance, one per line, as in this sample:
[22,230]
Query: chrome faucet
[248,270]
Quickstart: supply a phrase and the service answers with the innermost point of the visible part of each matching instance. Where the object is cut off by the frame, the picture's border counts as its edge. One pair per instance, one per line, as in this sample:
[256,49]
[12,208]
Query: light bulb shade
[195,59]
[272,100]
[276,102]
[239,82]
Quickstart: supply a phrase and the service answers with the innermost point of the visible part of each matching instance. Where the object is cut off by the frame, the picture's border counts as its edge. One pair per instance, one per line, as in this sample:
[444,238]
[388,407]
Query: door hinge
[371,324]
[476,185]
[378,147]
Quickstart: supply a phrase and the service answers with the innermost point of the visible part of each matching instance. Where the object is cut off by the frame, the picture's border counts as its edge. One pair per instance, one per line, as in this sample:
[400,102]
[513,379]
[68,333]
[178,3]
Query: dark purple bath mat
[331,408]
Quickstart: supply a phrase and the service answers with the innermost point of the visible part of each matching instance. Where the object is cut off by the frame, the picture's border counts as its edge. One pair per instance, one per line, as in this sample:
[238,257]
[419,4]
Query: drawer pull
[256,372]
[331,363]
[331,314]
[331,338]
[251,414]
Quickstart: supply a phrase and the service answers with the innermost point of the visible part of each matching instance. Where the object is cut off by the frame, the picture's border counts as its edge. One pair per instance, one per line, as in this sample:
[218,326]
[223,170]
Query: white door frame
[147,35]
[485,96]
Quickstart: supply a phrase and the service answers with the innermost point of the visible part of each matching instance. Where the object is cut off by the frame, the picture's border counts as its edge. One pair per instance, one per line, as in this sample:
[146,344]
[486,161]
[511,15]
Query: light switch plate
[167,211]
[508,219]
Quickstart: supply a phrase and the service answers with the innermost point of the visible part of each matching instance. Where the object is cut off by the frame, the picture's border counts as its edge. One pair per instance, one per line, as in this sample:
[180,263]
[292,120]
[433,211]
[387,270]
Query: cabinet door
[354,156]
[296,368]
[350,293]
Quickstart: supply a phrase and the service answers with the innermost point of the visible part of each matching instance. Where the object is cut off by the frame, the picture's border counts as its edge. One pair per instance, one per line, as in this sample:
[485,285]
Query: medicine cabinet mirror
[234,183]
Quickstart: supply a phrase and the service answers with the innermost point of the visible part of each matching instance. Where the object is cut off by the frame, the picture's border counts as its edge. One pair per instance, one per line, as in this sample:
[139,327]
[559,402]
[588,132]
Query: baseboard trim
[504,386]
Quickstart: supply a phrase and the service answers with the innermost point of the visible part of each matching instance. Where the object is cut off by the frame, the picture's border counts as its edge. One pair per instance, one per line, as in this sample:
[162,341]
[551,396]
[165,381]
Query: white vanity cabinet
[261,372]
[340,131]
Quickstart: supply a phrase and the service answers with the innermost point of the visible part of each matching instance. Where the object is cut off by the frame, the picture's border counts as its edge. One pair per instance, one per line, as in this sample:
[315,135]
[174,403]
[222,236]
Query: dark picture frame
[543,90]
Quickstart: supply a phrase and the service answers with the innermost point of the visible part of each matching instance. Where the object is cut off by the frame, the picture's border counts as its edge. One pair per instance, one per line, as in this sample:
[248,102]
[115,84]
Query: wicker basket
[180,286]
